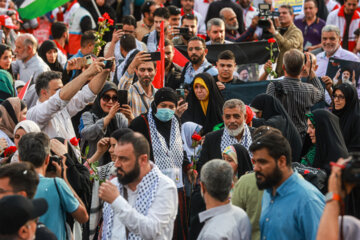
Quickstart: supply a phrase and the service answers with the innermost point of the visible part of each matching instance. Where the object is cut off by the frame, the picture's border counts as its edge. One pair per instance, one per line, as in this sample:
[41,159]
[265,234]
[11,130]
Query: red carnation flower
[306,171]
[196,137]
[271,40]
[111,22]
[75,141]
[106,16]
[101,19]
[10,150]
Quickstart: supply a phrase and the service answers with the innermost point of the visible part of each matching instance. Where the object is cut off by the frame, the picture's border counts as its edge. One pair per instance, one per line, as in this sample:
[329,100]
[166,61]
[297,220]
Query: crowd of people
[92,148]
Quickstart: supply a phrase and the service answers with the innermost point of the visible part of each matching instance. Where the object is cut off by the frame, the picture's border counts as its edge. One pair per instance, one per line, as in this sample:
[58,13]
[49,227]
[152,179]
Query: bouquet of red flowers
[104,23]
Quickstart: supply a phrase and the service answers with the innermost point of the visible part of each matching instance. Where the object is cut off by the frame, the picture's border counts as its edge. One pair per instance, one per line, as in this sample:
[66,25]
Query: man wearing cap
[19,216]
[8,26]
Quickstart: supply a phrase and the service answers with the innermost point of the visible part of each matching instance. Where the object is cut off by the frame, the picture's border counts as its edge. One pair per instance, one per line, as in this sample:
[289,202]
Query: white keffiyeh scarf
[227,140]
[145,197]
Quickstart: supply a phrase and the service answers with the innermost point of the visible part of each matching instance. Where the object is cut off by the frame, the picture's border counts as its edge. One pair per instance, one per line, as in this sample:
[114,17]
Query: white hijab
[187,130]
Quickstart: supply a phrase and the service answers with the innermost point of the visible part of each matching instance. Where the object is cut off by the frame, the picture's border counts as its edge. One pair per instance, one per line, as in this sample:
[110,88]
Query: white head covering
[28,126]
[187,130]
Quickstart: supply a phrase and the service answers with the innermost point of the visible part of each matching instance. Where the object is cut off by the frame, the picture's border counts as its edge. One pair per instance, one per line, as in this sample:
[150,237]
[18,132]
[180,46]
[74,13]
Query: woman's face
[51,55]
[108,100]
[18,135]
[23,114]
[231,162]
[100,3]
[200,92]
[339,100]
[311,131]
[5,60]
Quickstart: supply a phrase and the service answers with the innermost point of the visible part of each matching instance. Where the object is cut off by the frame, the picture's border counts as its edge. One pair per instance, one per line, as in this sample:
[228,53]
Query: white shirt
[54,115]
[61,57]
[31,69]
[157,224]
[202,8]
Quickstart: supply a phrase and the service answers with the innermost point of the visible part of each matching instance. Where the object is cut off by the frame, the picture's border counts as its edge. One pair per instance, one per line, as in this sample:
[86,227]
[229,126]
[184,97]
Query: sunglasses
[106,98]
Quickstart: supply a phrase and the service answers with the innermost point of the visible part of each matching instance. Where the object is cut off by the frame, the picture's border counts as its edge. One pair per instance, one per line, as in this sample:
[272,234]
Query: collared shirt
[142,29]
[159,221]
[191,72]
[54,115]
[299,98]
[225,222]
[293,213]
[323,60]
[312,32]
[135,94]
[30,69]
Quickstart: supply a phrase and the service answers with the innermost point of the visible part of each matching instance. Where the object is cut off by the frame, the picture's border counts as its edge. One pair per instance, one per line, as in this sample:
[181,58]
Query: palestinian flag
[29,9]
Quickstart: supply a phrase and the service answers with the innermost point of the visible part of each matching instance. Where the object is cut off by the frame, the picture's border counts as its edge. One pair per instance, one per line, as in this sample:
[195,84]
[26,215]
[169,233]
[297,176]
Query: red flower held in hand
[196,137]
[111,22]
[271,40]
[10,150]
[106,16]
[75,141]
[101,19]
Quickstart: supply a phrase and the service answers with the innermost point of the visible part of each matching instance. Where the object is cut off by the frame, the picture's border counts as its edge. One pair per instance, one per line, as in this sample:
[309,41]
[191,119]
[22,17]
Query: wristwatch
[332,196]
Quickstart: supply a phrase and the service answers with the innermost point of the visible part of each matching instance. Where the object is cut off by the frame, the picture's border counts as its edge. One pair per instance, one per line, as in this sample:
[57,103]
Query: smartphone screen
[183,31]
[155,56]
[122,97]
[118,26]
[108,64]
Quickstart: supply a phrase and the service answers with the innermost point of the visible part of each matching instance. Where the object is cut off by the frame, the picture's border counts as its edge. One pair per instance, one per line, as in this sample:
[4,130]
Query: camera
[51,167]
[265,15]
[351,172]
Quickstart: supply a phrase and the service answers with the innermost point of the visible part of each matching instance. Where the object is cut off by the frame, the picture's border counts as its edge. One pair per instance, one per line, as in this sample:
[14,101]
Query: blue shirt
[293,213]
[190,72]
[54,218]
[73,72]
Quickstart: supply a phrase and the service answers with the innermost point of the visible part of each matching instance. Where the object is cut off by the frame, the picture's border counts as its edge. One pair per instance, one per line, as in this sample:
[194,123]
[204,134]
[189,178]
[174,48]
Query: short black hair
[128,20]
[162,12]
[314,1]
[139,142]
[173,10]
[145,8]
[168,43]
[22,177]
[276,144]
[117,134]
[34,148]
[87,37]
[128,42]
[42,81]
[196,38]
[226,55]
[189,16]
[58,29]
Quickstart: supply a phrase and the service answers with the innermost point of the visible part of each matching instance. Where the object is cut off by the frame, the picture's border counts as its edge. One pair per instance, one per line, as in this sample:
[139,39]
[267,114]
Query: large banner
[337,67]
[296,4]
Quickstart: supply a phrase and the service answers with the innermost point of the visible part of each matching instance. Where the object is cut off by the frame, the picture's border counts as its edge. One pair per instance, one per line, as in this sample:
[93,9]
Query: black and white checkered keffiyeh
[227,140]
[147,189]
[164,157]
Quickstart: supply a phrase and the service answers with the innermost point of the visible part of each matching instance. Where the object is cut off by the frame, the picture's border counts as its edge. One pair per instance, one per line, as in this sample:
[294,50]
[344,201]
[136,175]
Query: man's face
[245,3]
[196,52]
[244,75]
[129,29]
[233,118]
[21,50]
[285,18]
[2,3]
[157,23]
[5,188]
[231,22]
[225,68]
[350,6]
[217,34]
[266,169]
[146,73]
[128,168]
[54,85]
[330,42]
[191,25]
[346,76]
[169,55]
[174,20]
[187,5]
[310,10]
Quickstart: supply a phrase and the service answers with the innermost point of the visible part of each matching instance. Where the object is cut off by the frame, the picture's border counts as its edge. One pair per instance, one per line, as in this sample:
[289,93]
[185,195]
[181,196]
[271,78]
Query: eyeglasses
[106,98]
[196,48]
[340,97]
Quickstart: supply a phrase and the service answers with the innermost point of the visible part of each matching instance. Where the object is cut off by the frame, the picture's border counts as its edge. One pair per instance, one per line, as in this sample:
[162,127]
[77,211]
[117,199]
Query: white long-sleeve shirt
[157,224]
[54,115]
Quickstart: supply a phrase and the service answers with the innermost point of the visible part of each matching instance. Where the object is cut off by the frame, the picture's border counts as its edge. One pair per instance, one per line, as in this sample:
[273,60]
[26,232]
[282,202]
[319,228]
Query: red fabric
[75,40]
[179,59]
[249,115]
[341,13]
[24,90]
[60,47]
[182,13]
[160,65]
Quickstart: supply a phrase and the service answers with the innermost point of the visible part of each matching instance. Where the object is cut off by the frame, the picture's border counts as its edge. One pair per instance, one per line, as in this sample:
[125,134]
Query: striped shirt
[299,98]
[137,97]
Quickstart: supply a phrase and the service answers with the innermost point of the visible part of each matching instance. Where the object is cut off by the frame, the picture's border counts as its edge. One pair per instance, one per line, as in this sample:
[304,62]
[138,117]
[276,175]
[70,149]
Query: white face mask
[236,132]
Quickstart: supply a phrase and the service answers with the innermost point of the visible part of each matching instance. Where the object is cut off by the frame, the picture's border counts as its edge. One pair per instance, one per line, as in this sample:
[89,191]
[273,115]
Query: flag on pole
[29,9]
[24,90]
[159,80]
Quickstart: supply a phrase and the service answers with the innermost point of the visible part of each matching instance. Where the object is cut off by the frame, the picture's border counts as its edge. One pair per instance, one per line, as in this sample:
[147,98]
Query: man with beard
[140,93]
[216,31]
[146,25]
[187,21]
[172,70]
[198,64]
[141,203]
[232,25]
[291,206]
[235,131]
[187,7]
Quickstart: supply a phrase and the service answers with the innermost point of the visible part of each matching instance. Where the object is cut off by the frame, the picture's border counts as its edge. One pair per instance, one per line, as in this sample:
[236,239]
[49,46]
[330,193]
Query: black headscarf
[244,161]
[195,114]
[330,144]
[349,117]
[274,115]
[44,48]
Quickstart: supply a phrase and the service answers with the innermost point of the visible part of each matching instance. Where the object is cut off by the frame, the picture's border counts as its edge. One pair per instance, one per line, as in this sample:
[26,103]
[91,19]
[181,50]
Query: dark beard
[187,36]
[269,181]
[130,176]
[198,60]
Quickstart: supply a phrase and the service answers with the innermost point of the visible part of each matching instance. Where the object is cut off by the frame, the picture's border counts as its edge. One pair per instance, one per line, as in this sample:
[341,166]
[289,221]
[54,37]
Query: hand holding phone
[122,97]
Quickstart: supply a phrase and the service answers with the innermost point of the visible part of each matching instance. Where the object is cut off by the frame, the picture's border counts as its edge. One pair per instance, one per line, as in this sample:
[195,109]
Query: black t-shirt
[43,233]
[345,42]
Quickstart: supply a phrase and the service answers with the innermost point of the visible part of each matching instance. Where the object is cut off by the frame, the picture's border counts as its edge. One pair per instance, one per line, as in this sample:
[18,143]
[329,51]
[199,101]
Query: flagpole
[96,8]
